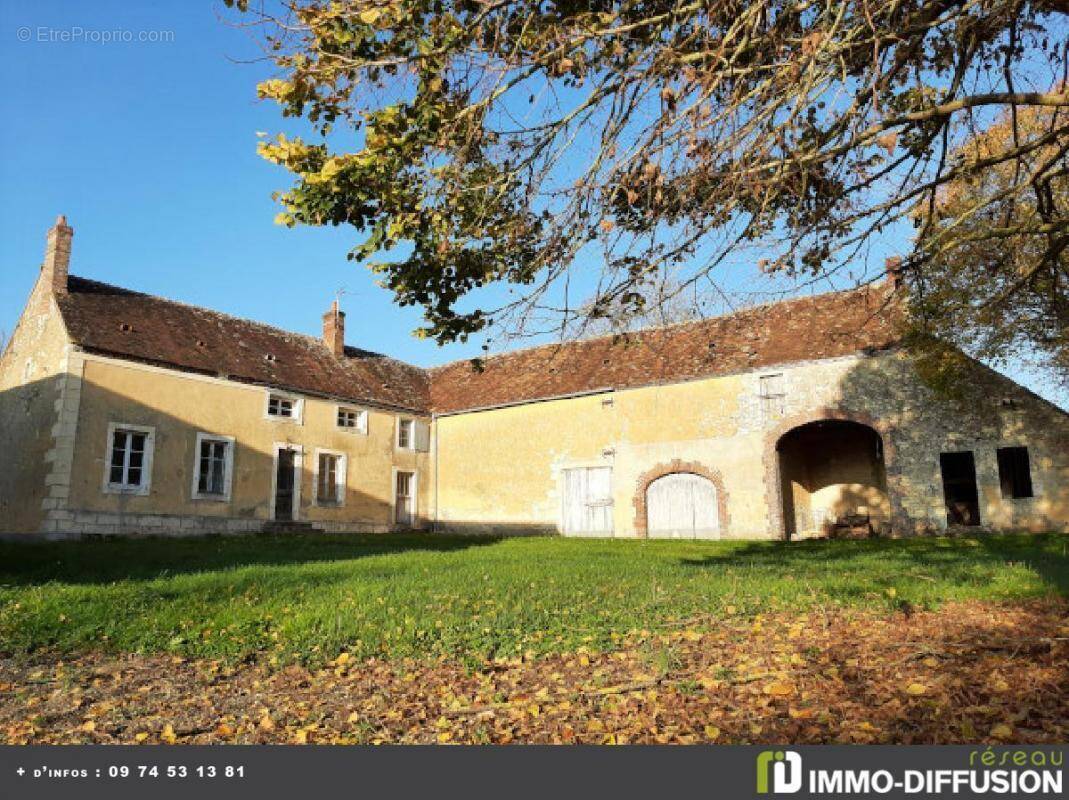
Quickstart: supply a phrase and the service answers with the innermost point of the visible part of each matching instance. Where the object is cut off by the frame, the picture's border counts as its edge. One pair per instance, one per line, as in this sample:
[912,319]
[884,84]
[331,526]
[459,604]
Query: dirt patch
[970,672]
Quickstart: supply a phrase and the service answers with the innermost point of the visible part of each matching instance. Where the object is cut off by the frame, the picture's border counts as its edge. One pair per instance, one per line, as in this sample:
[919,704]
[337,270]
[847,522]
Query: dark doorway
[833,480]
[284,482]
[959,488]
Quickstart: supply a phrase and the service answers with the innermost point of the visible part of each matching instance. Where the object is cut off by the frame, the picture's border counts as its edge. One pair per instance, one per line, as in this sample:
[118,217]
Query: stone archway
[774,476]
[669,468]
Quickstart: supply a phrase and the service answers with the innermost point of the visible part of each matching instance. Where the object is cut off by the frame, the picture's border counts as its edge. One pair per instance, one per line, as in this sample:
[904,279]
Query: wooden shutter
[423,436]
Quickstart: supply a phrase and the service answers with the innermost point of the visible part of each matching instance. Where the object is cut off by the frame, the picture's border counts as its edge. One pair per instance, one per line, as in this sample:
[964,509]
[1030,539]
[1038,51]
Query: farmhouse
[123,413]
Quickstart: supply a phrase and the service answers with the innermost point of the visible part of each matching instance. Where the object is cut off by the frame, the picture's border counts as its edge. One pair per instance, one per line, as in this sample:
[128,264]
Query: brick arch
[770,458]
[669,468]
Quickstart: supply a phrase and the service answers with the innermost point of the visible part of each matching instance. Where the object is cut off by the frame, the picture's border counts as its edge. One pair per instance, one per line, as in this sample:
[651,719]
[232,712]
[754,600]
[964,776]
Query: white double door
[682,506]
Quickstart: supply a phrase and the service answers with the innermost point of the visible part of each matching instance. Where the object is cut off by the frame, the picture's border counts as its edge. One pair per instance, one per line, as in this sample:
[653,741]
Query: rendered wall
[501,469]
[32,377]
[179,406]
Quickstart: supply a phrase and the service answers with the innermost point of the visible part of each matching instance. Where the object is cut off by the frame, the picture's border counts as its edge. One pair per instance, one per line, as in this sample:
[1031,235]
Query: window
[128,466]
[279,406]
[330,478]
[283,407]
[771,393]
[1014,472]
[405,434]
[352,419]
[213,467]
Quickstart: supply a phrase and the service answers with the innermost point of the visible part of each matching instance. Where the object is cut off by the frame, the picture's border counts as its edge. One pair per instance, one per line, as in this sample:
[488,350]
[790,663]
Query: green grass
[307,598]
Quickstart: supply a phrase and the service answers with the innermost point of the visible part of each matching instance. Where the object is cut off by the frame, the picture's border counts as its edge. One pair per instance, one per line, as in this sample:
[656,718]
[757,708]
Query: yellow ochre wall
[501,469]
[512,477]
[179,406]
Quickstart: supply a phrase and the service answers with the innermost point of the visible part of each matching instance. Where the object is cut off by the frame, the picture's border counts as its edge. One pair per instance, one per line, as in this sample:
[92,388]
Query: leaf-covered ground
[967,672]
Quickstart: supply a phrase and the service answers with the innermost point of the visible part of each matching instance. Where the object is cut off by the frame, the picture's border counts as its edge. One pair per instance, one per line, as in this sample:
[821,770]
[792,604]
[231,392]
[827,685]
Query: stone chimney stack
[893,271]
[58,255]
[334,330]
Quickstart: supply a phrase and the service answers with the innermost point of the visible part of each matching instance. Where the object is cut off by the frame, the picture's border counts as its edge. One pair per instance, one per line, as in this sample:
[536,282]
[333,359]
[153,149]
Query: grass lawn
[277,600]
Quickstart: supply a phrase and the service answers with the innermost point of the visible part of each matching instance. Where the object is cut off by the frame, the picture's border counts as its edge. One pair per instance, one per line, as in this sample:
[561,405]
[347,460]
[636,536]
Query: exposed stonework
[670,468]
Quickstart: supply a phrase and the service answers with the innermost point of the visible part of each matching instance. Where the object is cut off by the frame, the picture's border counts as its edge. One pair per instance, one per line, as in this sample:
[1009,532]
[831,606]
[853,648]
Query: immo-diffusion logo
[785,768]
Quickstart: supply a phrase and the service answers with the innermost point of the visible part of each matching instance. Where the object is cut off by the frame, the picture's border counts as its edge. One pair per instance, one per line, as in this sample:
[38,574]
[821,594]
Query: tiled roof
[818,326]
[109,320]
[119,322]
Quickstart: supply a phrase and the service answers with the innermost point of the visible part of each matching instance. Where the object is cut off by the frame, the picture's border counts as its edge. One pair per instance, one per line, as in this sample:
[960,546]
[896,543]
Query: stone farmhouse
[123,413]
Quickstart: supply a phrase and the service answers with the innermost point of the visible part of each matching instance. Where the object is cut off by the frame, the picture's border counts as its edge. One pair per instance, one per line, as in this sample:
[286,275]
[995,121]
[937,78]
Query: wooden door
[285,468]
[404,499]
[587,502]
[682,506]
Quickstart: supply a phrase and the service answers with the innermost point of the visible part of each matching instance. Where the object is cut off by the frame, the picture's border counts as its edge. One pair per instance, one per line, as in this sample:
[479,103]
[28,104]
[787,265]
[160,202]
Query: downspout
[434,423]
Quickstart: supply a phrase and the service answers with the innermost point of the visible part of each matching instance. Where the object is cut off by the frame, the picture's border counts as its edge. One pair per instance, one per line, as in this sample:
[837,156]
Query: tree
[997,284]
[490,142]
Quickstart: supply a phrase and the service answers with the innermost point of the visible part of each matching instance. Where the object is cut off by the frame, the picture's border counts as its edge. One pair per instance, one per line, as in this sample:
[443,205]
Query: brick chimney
[58,255]
[334,330]
[893,271]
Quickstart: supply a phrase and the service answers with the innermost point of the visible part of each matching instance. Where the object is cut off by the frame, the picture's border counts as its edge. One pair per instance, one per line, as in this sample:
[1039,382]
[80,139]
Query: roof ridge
[648,328]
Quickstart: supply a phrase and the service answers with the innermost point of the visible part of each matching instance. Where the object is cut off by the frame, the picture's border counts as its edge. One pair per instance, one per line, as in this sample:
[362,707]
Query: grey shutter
[423,436]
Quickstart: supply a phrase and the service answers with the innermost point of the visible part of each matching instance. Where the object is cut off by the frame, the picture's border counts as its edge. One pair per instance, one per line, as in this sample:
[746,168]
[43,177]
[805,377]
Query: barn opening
[833,480]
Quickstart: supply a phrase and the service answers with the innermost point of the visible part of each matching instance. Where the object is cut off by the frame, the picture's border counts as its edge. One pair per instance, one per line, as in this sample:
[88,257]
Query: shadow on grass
[1045,554]
[97,562]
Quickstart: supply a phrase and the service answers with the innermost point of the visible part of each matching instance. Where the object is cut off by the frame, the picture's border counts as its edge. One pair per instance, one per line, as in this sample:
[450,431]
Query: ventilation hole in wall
[270,357]
[125,327]
[201,343]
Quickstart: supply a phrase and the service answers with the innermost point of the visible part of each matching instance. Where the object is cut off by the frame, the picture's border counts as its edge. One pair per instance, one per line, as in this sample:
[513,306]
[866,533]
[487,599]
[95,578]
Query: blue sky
[149,148]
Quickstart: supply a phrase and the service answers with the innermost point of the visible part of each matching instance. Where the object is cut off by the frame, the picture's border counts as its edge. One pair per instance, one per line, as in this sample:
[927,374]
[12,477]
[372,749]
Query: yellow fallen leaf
[445,736]
[916,689]
[353,718]
[931,662]
[712,732]
[167,734]
[89,726]
[1002,731]
[140,737]
[779,689]
[301,737]
[266,723]
[342,659]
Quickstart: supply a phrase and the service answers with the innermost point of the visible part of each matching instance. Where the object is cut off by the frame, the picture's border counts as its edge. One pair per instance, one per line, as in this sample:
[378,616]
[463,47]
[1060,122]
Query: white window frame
[415,494]
[298,407]
[361,423]
[228,467]
[411,422]
[339,478]
[146,462]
